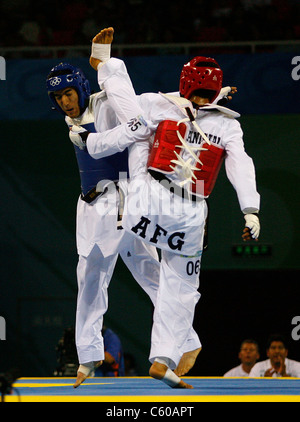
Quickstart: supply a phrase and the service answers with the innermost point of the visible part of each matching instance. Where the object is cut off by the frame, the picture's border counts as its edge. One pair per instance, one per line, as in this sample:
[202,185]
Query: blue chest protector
[92,171]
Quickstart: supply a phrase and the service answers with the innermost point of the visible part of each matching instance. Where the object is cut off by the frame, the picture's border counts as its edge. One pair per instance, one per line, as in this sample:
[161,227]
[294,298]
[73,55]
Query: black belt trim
[173,188]
[92,195]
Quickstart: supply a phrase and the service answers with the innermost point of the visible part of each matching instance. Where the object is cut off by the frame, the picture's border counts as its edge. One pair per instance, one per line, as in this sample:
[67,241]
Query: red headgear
[201,73]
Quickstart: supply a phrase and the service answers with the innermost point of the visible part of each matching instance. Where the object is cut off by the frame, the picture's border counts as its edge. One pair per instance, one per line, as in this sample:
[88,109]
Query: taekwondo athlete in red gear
[179,234]
[121,97]
[99,239]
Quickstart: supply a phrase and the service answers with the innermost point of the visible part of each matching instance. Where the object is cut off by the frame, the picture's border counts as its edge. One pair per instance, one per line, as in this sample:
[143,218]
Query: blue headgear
[63,76]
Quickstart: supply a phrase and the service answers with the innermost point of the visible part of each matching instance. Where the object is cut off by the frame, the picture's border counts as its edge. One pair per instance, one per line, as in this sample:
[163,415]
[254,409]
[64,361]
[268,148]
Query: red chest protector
[167,142]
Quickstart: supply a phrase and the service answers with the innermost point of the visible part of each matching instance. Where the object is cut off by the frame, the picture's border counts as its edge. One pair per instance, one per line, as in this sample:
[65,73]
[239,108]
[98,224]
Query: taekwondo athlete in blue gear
[90,170]
[98,237]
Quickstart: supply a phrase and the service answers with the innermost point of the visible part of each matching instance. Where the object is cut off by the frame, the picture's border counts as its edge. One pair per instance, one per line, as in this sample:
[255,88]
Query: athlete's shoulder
[96,100]
[69,121]
[223,111]
[150,101]
[96,97]
[148,97]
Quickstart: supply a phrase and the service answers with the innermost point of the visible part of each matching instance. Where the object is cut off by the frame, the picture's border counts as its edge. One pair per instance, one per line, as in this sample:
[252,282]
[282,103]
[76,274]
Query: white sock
[169,378]
[86,368]
[101,51]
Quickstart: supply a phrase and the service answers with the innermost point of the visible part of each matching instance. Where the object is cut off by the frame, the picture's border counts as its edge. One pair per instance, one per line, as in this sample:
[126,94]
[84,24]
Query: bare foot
[105,36]
[187,361]
[83,376]
[80,378]
[183,384]
[158,371]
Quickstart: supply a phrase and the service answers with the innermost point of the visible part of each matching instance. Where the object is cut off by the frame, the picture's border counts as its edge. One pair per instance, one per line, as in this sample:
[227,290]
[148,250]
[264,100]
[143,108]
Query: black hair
[276,337]
[250,340]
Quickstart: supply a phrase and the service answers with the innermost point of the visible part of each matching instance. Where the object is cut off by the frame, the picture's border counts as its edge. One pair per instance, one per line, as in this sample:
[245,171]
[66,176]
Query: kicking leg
[101,47]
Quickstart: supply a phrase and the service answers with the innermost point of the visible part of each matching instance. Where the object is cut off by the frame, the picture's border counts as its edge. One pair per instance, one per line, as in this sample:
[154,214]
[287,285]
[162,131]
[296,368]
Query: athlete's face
[198,101]
[68,101]
[277,353]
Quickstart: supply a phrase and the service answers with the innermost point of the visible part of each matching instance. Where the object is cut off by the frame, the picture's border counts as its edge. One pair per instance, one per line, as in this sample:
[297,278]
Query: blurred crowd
[62,22]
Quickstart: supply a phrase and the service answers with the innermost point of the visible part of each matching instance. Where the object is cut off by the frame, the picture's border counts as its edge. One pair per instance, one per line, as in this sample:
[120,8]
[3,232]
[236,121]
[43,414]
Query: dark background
[241,296]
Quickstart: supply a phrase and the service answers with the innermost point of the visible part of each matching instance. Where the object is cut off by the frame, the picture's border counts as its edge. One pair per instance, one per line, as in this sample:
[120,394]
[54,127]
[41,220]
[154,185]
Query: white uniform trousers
[172,332]
[94,273]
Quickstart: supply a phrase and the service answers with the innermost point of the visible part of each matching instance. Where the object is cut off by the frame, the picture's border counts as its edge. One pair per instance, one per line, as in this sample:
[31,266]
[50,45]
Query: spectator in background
[130,365]
[36,31]
[66,354]
[278,365]
[113,364]
[71,23]
[248,355]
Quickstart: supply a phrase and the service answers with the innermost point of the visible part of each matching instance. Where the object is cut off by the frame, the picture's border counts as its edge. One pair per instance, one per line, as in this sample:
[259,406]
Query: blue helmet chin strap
[64,76]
